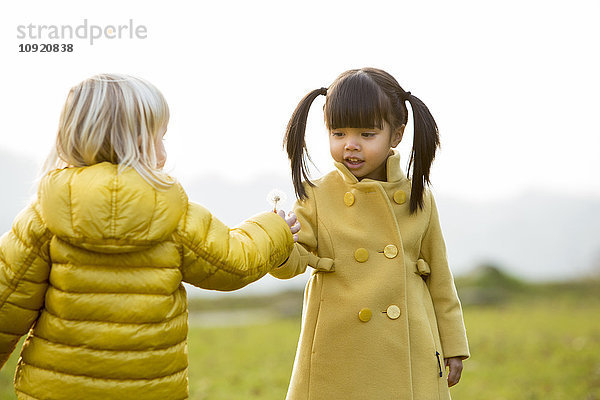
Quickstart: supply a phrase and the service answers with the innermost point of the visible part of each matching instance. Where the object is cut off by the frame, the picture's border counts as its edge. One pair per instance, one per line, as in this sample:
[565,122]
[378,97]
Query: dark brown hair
[366,98]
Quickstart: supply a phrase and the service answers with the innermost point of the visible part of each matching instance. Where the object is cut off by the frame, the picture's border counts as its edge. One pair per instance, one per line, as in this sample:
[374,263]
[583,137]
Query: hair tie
[407,95]
[323,91]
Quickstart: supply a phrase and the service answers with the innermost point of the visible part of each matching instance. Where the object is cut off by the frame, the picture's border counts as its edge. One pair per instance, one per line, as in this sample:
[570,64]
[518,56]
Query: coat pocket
[439,362]
[422,268]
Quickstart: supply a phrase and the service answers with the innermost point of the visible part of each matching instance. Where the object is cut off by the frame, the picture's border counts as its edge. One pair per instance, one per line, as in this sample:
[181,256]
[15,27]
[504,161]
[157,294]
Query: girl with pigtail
[381,318]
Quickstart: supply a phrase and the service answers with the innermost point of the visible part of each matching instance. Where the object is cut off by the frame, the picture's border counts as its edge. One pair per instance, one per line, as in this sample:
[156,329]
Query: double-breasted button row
[392,312]
[399,197]
[361,254]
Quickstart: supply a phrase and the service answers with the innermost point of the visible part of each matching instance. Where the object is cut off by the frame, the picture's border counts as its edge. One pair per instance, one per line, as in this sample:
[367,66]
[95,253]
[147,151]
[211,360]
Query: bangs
[356,101]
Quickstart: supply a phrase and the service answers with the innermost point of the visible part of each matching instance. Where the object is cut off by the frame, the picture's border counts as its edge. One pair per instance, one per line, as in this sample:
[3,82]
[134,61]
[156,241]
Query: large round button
[400,196]
[348,199]
[390,251]
[393,311]
[365,315]
[361,255]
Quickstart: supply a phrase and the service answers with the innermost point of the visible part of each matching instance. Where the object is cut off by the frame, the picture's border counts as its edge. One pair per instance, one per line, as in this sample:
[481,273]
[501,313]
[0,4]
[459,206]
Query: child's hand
[292,222]
[455,366]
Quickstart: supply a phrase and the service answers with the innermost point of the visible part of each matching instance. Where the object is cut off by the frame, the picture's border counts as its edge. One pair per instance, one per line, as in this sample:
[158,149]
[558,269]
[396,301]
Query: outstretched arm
[215,256]
[304,251]
[24,270]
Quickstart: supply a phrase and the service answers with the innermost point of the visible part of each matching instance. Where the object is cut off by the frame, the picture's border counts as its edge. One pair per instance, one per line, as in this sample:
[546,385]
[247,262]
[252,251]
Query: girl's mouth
[353,162]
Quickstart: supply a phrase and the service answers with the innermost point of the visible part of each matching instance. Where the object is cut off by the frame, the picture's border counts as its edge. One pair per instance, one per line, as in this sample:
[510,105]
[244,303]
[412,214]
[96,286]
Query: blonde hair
[115,118]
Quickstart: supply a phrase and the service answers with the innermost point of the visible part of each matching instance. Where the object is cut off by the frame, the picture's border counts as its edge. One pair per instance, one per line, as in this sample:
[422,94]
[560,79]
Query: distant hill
[536,236]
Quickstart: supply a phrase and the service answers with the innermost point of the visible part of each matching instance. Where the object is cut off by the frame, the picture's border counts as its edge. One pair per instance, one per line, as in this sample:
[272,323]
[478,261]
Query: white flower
[275,196]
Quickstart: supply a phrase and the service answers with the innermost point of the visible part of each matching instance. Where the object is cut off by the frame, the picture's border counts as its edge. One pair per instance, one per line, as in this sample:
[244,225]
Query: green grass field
[542,345]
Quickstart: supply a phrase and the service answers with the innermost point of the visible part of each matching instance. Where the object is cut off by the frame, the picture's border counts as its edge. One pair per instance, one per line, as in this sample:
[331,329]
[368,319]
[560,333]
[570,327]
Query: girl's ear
[397,135]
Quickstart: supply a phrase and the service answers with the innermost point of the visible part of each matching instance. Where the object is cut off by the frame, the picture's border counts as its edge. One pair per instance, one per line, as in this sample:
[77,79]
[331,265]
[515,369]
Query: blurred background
[514,89]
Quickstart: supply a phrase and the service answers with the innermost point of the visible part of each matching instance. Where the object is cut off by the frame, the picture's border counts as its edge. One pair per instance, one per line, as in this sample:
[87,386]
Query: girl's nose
[351,145]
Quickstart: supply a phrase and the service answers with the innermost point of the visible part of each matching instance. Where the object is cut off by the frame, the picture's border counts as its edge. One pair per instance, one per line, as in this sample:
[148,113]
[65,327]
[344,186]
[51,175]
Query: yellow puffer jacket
[96,265]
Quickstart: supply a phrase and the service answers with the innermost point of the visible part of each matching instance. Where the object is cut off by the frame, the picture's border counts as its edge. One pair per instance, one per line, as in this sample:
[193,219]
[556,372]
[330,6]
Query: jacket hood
[104,210]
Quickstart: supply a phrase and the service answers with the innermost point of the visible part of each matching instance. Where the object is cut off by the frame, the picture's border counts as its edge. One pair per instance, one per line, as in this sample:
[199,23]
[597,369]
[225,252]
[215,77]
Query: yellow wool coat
[95,264]
[380,309]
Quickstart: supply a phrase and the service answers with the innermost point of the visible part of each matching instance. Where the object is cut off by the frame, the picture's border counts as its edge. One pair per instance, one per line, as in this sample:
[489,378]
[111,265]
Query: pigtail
[426,141]
[295,144]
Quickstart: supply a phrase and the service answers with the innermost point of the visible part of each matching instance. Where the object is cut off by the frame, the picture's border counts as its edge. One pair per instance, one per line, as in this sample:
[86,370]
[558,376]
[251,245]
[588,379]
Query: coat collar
[393,170]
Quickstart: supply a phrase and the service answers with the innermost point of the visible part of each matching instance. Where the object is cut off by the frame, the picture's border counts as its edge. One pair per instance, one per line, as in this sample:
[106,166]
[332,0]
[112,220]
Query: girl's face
[161,153]
[364,151]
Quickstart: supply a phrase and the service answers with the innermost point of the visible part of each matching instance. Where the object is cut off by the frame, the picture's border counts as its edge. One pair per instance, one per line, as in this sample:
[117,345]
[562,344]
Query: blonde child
[95,265]
[381,316]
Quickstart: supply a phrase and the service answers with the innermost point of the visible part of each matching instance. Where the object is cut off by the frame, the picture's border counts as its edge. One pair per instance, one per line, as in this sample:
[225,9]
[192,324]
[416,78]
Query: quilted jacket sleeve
[222,258]
[446,304]
[24,270]
[304,251]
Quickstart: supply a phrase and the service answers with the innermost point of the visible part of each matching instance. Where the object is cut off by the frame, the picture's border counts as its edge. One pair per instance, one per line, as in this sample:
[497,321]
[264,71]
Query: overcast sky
[513,85]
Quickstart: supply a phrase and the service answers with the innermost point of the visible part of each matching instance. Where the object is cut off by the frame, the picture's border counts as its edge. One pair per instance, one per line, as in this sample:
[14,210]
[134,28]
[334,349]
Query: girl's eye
[368,134]
[338,134]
